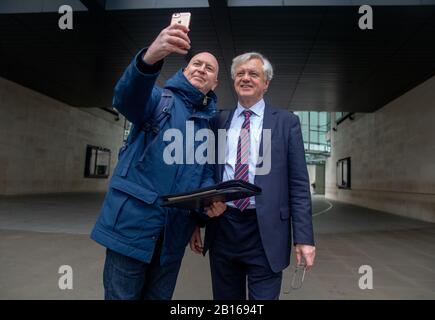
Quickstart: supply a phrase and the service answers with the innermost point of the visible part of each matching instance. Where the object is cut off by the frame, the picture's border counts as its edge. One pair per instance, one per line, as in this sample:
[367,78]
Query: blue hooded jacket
[131,218]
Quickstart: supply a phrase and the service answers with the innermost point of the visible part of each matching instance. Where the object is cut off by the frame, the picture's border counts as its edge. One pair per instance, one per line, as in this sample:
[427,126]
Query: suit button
[154,238]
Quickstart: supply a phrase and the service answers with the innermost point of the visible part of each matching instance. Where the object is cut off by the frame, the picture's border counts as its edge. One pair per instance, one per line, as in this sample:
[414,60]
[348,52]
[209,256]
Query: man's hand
[171,39]
[216,209]
[196,242]
[307,252]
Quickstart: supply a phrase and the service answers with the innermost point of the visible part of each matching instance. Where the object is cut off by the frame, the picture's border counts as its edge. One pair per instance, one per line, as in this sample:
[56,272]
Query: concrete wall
[320,179]
[317,176]
[392,156]
[311,168]
[43,142]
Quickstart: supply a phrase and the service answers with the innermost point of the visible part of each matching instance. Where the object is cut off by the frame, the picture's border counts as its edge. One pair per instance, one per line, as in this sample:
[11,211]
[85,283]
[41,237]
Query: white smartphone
[181,18]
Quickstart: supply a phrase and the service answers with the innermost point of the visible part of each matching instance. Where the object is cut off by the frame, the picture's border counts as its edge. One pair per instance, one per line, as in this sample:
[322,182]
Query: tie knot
[247,113]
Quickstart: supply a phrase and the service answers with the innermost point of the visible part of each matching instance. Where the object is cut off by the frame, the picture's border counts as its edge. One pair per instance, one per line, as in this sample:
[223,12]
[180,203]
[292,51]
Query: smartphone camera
[177,16]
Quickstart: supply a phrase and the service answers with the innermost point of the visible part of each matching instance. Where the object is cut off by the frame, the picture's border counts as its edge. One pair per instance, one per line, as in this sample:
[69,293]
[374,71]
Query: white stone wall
[392,156]
[316,174]
[43,143]
[320,179]
[311,168]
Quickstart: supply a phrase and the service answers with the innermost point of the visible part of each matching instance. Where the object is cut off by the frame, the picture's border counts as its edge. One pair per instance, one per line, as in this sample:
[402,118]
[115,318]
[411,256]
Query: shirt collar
[257,109]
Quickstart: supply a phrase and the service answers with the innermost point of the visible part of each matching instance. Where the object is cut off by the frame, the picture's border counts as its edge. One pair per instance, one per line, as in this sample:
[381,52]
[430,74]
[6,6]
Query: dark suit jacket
[285,203]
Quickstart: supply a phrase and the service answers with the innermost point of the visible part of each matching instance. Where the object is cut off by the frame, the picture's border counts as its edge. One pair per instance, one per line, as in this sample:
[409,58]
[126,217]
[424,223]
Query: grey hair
[267,67]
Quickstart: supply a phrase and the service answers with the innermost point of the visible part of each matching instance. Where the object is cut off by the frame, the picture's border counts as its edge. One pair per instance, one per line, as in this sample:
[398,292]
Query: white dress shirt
[256,126]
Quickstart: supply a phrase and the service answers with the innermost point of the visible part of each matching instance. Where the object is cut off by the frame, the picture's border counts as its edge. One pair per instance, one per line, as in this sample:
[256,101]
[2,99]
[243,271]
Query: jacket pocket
[113,203]
[134,190]
[137,216]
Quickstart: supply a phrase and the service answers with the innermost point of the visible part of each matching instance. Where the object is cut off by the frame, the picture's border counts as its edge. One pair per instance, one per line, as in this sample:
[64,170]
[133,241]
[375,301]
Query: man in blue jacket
[145,242]
[252,239]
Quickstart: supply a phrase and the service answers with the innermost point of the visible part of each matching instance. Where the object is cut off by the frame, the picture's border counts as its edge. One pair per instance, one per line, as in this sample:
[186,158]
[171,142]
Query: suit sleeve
[136,95]
[299,189]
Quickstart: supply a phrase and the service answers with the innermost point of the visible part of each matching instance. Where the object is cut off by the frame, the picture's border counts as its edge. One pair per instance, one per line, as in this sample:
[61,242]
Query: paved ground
[38,234]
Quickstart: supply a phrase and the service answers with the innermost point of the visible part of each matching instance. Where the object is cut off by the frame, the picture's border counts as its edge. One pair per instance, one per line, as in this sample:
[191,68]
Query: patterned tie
[242,163]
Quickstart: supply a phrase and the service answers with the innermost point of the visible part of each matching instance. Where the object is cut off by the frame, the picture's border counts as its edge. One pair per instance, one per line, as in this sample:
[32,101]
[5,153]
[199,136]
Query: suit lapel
[269,122]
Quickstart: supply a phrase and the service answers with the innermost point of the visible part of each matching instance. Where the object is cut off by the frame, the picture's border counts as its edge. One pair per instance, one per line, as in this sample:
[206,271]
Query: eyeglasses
[298,278]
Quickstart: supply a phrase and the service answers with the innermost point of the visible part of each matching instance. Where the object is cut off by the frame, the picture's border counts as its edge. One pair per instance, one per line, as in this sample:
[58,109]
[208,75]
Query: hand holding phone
[172,39]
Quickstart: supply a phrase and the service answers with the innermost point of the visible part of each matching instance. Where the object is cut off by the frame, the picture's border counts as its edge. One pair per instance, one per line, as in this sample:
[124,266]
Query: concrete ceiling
[322,60]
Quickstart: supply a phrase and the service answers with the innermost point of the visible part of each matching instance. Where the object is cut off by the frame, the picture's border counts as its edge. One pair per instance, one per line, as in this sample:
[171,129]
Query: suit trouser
[126,278]
[236,254]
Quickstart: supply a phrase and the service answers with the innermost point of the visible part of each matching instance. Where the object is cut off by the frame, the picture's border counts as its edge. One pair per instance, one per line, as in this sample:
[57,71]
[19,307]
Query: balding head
[207,56]
[202,71]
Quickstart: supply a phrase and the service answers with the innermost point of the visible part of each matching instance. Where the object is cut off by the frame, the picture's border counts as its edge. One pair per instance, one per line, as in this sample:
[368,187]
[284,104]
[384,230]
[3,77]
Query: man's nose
[202,69]
[246,77]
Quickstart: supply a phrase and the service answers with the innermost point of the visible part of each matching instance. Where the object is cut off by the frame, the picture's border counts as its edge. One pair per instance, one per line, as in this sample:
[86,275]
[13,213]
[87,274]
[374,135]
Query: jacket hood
[193,98]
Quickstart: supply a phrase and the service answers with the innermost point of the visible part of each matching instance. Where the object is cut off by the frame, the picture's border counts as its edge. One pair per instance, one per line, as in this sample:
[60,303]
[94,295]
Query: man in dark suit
[252,239]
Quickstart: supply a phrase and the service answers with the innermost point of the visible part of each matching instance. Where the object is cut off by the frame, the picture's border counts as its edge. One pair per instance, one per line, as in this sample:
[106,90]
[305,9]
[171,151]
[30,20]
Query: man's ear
[267,85]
